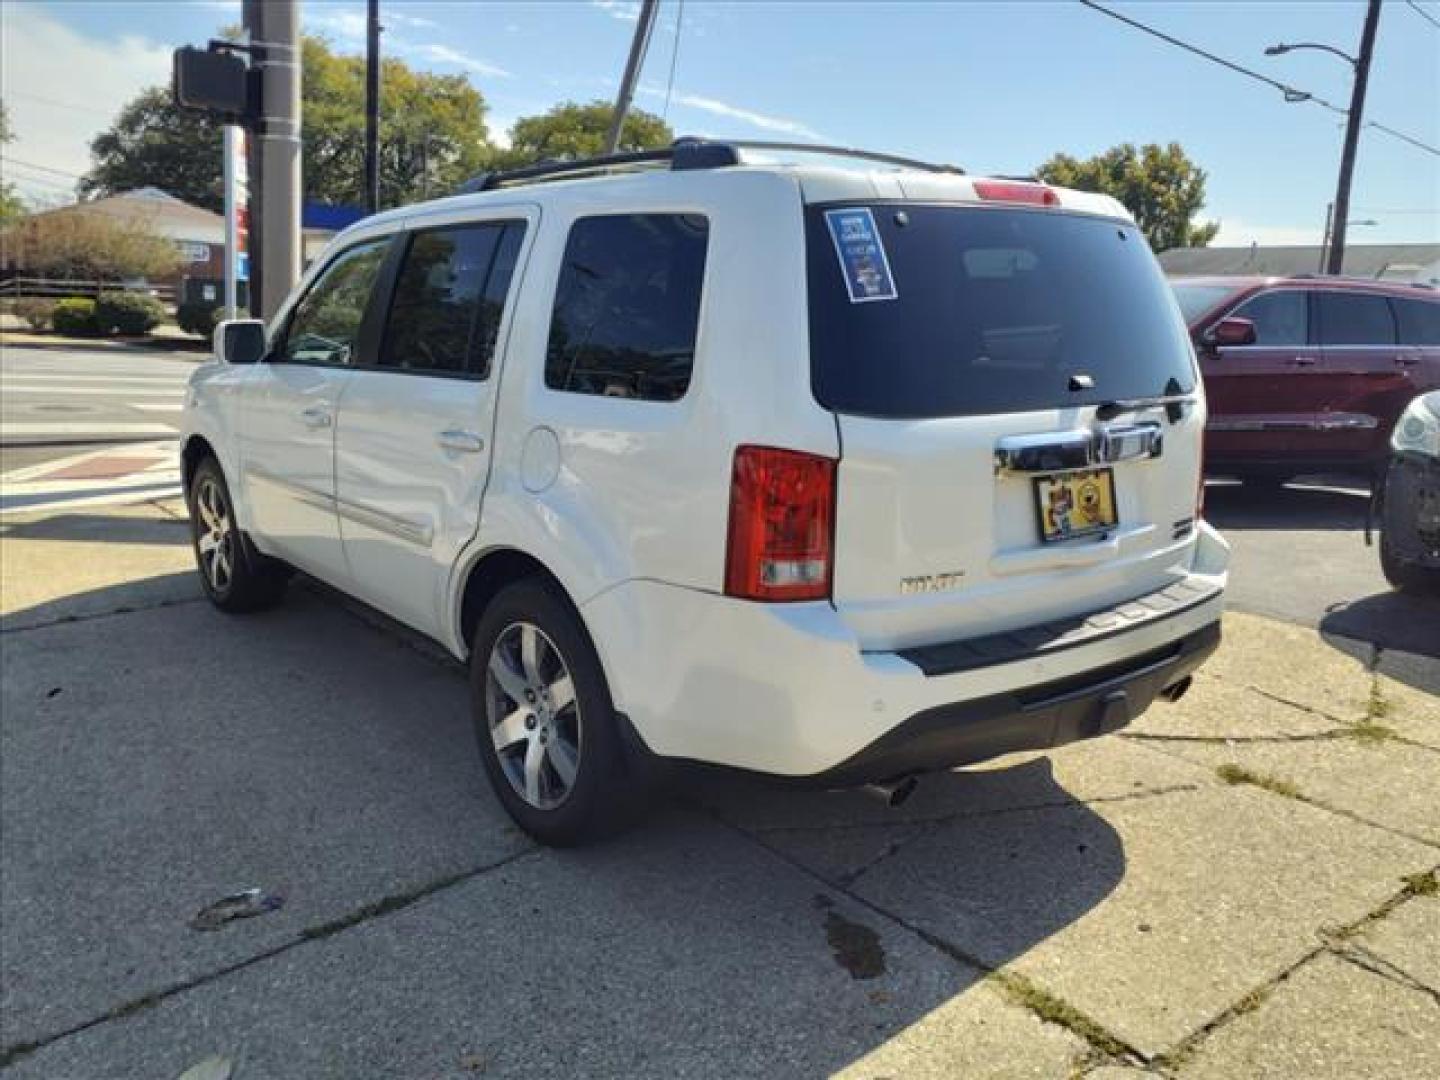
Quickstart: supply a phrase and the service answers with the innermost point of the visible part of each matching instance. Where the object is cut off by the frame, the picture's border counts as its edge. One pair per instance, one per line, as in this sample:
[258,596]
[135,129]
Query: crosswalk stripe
[96,391]
[63,379]
[19,430]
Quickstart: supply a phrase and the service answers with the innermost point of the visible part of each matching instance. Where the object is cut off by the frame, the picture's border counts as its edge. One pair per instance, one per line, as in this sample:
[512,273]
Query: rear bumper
[785,689]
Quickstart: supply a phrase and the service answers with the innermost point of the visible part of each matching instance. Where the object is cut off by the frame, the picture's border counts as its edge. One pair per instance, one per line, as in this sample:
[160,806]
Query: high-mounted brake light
[782,525]
[1016,191]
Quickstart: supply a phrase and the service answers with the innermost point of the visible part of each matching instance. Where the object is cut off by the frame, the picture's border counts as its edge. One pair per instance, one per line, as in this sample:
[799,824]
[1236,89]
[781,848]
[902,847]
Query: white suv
[842,475]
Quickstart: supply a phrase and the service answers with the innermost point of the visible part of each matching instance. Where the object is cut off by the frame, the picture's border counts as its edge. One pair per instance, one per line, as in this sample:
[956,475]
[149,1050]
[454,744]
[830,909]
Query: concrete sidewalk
[1243,885]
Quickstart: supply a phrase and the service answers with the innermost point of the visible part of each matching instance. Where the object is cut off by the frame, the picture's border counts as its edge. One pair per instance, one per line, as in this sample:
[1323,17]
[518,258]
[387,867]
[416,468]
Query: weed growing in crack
[1425,883]
[1054,1010]
[1232,773]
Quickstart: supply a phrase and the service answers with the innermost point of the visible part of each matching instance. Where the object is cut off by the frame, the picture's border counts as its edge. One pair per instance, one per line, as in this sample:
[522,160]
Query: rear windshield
[961,311]
[1195,300]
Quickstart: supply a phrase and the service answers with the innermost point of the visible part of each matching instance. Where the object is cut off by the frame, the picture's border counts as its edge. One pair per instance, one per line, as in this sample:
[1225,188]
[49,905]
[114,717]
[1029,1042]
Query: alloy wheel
[533,716]
[215,535]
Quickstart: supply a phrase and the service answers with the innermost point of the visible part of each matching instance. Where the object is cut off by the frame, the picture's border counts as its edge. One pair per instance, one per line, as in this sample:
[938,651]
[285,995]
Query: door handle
[465,442]
[1305,361]
[1407,361]
[316,416]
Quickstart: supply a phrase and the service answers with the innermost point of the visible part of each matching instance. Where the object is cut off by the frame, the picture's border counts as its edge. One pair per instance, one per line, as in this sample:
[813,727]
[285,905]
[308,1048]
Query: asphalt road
[55,400]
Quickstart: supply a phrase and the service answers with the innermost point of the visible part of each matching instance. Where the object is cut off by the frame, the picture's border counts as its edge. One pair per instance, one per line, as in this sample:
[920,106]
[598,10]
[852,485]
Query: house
[1415,263]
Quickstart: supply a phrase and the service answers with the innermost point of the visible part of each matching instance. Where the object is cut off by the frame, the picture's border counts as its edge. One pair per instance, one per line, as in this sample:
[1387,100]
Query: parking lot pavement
[1241,885]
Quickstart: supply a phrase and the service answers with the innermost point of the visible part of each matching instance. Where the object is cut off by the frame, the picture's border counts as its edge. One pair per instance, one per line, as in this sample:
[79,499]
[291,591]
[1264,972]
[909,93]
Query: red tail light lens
[782,525]
[1016,191]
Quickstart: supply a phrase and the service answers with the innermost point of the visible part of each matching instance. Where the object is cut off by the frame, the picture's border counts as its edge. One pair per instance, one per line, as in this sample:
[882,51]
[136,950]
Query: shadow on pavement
[1392,621]
[99,528]
[1298,505]
[157,762]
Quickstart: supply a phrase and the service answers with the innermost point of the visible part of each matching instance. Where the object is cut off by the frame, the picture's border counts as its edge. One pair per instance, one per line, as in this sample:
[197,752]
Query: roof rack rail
[681,155]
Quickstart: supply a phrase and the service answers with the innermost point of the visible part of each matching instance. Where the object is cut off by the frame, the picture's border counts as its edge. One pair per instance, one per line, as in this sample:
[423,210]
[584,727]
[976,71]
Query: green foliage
[35,311]
[128,313]
[76,316]
[571,130]
[78,243]
[11,208]
[432,129]
[198,317]
[153,143]
[1162,187]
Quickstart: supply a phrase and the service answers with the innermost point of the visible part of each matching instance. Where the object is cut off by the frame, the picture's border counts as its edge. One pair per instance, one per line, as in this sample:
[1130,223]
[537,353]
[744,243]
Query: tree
[11,208]
[1162,187]
[432,130]
[571,130]
[82,244]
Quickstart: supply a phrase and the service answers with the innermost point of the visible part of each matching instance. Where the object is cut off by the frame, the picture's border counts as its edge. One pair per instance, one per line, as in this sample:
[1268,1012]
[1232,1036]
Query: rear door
[413,439]
[1361,383]
[1250,389]
[966,352]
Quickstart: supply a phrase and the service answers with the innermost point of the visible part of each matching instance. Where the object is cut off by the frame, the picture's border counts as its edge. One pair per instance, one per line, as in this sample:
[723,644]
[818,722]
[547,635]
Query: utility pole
[638,46]
[372,106]
[1353,124]
[274,28]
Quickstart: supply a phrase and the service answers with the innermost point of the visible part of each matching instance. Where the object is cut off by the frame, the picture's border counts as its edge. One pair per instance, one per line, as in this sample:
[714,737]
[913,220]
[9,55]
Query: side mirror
[1231,330]
[240,341]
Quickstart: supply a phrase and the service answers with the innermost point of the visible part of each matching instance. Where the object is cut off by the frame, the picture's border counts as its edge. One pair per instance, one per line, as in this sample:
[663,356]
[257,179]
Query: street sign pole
[237,217]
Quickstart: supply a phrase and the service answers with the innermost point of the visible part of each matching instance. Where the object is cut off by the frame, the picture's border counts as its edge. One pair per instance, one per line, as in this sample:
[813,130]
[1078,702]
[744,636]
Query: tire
[1407,577]
[235,576]
[554,758]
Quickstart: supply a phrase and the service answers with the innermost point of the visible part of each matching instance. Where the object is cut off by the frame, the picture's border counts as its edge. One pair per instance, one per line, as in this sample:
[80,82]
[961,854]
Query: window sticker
[862,255]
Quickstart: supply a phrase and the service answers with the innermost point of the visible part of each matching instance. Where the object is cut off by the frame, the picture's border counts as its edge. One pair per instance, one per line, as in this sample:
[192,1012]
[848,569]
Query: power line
[41,168]
[1423,13]
[60,104]
[1292,94]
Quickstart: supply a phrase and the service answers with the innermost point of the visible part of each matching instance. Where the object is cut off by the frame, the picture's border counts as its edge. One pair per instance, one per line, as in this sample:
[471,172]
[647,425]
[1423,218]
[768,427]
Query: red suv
[1308,374]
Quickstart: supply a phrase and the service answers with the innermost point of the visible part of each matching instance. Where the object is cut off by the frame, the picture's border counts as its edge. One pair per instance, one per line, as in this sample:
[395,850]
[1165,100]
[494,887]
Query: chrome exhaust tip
[1174,693]
[893,792]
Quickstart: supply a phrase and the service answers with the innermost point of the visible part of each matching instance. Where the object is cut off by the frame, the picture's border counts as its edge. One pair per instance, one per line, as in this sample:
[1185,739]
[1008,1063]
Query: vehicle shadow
[1394,622]
[321,756]
[1308,503]
[99,528]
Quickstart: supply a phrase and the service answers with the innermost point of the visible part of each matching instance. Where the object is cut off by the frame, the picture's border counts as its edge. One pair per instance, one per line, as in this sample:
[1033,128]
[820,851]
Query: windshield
[1195,300]
[923,311]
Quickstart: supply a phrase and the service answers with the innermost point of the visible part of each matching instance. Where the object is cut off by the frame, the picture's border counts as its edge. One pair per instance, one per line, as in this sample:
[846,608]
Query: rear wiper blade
[1173,399]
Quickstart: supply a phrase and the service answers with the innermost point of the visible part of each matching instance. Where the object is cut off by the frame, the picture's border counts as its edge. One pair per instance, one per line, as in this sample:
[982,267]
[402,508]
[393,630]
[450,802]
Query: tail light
[782,525]
[1016,191]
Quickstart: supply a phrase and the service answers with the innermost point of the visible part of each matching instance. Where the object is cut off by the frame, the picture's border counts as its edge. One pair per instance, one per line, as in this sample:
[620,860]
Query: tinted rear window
[1419,321]
[1355,319]
[994,311]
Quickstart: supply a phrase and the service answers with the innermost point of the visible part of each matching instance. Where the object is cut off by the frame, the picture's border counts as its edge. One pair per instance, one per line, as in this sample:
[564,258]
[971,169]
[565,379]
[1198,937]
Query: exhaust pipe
[1174,693]
[893,792]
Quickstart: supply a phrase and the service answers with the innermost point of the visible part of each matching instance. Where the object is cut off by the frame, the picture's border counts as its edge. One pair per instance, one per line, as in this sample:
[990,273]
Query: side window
[1281,317]
[1419,321]
[325,326]
[449,296]
[627,306]
[1355,319]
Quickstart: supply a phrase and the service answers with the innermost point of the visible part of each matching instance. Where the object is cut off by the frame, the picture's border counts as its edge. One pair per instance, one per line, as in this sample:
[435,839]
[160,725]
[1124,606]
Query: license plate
[1076,504]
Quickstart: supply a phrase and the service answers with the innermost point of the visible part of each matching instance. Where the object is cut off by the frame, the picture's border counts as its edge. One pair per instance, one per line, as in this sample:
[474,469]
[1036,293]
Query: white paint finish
[626,502]
[540,460]
[922,497]
[289,464]
[787,689]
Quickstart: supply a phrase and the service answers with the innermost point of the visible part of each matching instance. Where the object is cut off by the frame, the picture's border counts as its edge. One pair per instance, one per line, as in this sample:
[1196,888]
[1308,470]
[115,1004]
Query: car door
[288,437]
[415,423]
[1361,382]
[1253,415]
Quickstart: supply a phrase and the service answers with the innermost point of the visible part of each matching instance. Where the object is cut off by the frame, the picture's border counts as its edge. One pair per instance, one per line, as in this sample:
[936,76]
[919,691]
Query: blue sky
[996,87]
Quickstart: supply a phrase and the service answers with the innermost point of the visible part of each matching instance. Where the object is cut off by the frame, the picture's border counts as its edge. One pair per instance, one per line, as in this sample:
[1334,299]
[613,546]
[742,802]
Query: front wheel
[235,576]
[544,719]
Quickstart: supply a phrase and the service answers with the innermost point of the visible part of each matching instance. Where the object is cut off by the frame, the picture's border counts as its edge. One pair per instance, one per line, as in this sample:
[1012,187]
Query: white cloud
[62,89]
[1236,233]
[624,10]
[778,124]
[443,54]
